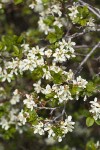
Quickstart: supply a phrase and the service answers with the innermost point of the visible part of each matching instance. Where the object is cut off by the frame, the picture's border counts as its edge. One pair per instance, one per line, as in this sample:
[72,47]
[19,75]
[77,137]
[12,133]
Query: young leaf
[89,121]
[97,122]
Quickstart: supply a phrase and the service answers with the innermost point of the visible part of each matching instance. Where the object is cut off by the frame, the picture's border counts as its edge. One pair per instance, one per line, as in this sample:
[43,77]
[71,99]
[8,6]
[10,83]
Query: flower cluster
[11,119]
[64,51]
[35,57]
[49,16]
[63,128]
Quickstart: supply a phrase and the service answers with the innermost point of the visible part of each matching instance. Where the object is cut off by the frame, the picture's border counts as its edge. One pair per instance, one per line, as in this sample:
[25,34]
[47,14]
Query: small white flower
[6,76]
[95,109]
[56,9]
[55,68]
[38,128]
[80,82]
[46,74]
[58,22]
[16,97]
[37,50]
[48,53]
[48,128]
[37,86]
[91,25]
[4,123]
[67,125]
[29,102]
[73,12]
[26,48]
[47,90]
[21,118]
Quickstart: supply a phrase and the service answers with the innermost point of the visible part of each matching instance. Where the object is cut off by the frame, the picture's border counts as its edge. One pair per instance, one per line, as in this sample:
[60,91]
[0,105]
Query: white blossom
[21,118]
[37,86]
[95,109]
[38,128]
[56,9]
[36,50]
[80,82]
[29,102]
[64,51]
[4,123]
[47,90]
[48,128]
[55,68]
[48,53]
[46,74]
[26,48]
[13,65]
[62,93]
[15,98]
[91,24]
[73,12]
[6,76]
[67,125]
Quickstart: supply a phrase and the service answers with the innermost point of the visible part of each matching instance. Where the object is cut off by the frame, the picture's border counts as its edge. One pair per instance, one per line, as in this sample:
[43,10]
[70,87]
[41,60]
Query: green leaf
[18,1]
[90,146]
[90,88]
[97,122]
[16,49]
[52,37]
[49,20]
[89,121]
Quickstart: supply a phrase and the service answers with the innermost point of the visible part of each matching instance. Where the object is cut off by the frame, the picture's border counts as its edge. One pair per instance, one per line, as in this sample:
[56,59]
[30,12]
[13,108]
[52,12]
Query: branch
[83,46]
[87,57]
[80,33]
[63,112]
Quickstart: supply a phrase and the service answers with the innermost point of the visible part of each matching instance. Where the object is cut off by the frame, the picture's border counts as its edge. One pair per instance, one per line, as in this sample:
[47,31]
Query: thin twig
[63,112]
[83,46]
[81,33]
[87,57]
[47,108]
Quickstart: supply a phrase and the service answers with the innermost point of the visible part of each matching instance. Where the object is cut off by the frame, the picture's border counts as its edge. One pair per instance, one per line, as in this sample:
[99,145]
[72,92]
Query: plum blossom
[22,118]
[80,82]
[15,98]
[39,128]
[4,123]
[47,90]
[29,102]
[95,109]
[37,86]
[73,12]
